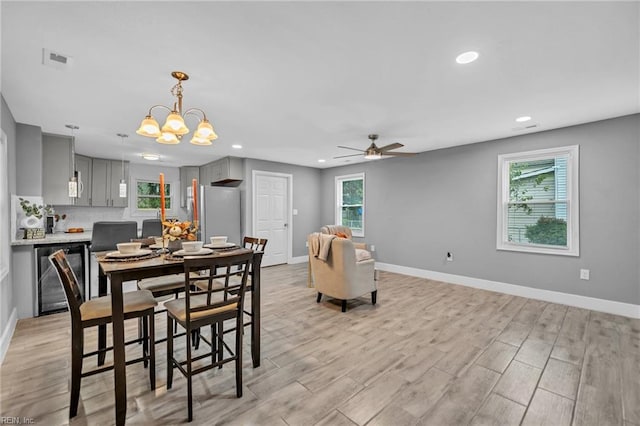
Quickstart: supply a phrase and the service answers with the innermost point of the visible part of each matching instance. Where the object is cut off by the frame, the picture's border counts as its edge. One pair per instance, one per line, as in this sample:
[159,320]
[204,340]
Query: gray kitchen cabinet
[84,169]
[187,174]
[105,183]
[57,169]
[206,174]
[223,171]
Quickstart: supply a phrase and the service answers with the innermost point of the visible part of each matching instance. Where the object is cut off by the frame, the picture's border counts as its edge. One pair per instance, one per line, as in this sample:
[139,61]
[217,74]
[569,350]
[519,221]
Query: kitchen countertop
[55,238]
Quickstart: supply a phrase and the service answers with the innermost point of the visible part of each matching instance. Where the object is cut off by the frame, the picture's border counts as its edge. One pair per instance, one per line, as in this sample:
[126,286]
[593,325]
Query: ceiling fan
[375,153]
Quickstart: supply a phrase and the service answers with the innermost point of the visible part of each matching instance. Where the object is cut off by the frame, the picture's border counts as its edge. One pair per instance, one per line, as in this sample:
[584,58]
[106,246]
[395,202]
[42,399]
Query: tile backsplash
[84,217]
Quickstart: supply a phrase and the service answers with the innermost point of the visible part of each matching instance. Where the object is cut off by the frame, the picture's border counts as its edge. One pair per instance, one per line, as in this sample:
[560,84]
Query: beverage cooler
[50,294]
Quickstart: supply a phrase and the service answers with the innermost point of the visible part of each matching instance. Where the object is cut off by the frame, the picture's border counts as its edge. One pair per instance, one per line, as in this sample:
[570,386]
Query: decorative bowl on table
[218,241]
[192,246]
[129,248]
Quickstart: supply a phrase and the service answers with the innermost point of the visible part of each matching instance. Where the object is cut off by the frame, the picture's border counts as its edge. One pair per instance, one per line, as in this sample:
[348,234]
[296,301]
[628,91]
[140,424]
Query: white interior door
[271,215]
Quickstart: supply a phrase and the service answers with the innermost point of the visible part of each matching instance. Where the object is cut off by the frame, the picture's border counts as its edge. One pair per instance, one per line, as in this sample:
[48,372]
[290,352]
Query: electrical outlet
[373,248]
[584,274]
[306,243]
[449,256]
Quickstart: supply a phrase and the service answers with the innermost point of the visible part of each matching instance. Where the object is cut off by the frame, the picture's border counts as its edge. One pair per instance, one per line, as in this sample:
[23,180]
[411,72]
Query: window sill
[539,250]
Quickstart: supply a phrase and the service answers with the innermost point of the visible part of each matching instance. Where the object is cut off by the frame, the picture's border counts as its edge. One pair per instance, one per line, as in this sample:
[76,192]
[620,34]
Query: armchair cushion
[362,255]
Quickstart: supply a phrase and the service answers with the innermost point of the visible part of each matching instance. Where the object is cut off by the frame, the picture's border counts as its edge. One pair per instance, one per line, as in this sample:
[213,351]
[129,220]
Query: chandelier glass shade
[174,127]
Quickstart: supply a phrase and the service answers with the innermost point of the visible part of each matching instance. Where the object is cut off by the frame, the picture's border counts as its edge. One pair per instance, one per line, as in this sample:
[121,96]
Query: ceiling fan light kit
[376,153]
[175,127]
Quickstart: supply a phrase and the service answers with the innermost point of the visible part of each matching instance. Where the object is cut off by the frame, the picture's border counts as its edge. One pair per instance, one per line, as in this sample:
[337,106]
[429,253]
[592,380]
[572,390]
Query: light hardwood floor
[429,353]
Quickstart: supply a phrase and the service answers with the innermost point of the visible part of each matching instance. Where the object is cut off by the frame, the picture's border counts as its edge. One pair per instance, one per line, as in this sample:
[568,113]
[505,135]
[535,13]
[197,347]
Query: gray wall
[419,208]
[306,187]
[29,152]
[9,126]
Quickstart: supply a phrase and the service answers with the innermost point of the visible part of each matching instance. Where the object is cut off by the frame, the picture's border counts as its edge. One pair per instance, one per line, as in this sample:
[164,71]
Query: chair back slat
[68,280]
[216,268]
[255,244]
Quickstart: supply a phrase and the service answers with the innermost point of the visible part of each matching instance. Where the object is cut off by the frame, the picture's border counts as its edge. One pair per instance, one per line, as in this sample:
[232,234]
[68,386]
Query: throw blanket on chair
[321,245]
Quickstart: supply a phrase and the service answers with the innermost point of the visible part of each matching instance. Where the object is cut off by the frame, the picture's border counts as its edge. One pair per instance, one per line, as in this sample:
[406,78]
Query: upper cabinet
[57,169]
[105,183]
[225,171]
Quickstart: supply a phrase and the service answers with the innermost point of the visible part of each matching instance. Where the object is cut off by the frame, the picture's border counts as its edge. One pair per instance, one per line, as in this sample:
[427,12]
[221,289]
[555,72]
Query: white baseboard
[7,334]
[298,259]
[602,305]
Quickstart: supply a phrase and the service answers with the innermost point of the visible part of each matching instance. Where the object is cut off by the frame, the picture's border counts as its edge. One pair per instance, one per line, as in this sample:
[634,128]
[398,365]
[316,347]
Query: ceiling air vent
[56,60]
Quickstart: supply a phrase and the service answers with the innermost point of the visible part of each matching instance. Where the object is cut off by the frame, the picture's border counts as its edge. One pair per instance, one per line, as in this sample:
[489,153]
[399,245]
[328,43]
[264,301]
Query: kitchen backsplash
[84,217]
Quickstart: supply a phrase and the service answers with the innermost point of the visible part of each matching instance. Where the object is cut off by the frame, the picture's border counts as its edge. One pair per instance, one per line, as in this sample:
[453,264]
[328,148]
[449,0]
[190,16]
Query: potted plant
[33,213]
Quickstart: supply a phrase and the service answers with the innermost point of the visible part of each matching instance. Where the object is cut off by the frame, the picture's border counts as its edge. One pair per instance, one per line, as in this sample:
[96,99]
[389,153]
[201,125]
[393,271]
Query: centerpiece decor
[175,232]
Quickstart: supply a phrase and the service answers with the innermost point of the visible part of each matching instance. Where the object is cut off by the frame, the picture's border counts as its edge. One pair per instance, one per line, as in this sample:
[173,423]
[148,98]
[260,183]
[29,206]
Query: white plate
[225,245]
[138,253]
[200,252]
[155,246]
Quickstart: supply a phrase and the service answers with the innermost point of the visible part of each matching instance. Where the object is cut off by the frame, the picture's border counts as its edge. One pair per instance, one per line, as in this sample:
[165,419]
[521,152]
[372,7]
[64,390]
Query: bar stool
[97,312]
[105,236]
[151,228]
[202,307]
[256,245]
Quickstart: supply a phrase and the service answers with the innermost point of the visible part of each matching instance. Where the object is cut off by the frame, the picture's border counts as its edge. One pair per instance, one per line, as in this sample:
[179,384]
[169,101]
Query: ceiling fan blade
[399,154]
[390,147]
[350,155]
[348,147]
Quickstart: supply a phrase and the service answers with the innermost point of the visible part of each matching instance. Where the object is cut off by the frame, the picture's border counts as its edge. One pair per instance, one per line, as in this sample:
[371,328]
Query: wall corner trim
[7,334]
[298,259]
[595,304]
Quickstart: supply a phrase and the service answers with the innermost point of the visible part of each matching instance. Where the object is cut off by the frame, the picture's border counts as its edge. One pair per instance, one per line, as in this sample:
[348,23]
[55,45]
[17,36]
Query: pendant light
[123,183]
[73,181]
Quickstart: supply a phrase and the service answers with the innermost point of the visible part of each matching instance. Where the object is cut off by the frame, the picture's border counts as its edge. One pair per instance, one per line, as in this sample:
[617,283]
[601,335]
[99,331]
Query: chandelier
[174,126]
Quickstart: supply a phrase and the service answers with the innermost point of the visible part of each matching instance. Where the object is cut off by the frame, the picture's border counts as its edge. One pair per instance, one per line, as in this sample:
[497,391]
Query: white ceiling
[291,80]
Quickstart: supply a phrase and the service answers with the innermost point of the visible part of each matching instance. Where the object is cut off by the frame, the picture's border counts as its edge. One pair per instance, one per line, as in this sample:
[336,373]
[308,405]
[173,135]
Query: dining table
[117,272]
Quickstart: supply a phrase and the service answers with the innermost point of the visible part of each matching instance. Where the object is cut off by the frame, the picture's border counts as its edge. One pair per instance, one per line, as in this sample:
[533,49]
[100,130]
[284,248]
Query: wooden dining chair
[255,245]
[209,307]
[96,312]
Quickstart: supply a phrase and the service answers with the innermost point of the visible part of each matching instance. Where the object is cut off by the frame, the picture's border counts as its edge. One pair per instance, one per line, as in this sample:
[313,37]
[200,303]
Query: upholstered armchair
[341,276]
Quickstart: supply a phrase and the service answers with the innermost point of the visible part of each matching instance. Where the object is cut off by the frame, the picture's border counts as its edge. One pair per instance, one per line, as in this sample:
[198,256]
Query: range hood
[227,182]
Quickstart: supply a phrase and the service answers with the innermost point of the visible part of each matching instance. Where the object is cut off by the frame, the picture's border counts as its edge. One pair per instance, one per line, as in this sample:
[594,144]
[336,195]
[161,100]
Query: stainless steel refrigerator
[219,213]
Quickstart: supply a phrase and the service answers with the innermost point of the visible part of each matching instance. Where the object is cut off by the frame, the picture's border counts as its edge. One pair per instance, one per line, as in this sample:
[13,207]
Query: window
[148,195]
[538,201]
[350,202]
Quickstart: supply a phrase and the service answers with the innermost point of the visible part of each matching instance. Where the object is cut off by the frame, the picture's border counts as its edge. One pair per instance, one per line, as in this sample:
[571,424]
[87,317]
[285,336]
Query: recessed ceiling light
[467,57]
[322,160]
[236,146]
[150,157]
[523,119]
